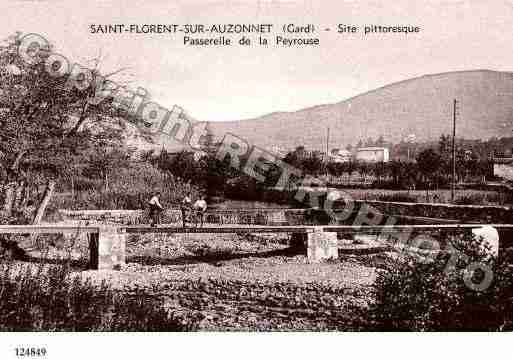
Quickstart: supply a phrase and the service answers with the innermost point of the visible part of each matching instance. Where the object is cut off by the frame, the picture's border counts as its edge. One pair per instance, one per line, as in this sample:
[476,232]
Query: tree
[396,172]
[296,157]
[445,150]
[369,142]
[380,142]
[379,169]
[428,162]
[313,164]
[350,168]
[45,122]
[364,169]
[209,145]
[444,146]
[106,160]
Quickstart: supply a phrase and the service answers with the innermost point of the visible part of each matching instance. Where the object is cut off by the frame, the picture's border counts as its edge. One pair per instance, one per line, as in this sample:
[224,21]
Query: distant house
[372,154]
[198,155]
[278,151]
[340,155]
[503,168]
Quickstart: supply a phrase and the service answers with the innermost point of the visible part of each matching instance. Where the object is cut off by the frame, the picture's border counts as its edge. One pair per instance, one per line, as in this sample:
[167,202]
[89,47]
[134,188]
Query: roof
[339,152]
[372,149]
[502,160]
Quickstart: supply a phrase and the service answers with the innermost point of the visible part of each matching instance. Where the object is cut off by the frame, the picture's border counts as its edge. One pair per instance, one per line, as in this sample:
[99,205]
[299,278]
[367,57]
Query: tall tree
[380,142]
[428,162]
[44,123]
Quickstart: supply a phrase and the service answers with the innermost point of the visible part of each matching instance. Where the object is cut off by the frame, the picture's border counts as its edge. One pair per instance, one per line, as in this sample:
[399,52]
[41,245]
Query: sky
[221,84]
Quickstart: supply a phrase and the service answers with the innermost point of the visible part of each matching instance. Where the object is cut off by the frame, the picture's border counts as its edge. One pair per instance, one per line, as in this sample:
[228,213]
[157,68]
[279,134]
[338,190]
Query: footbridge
[107,243]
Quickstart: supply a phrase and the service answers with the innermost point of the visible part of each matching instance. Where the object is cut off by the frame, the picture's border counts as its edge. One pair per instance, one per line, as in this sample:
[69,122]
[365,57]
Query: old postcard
[253,166]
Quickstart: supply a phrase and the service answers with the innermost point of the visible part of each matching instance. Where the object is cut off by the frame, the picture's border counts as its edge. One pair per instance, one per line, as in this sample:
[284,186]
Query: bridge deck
[219,229]
[406,227]
[53,229]
[46,229]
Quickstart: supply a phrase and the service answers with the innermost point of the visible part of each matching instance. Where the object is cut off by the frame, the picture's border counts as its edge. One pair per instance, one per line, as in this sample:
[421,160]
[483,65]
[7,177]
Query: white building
[373,154]
[278,151]
[198,155]
[503,168]
[340,155]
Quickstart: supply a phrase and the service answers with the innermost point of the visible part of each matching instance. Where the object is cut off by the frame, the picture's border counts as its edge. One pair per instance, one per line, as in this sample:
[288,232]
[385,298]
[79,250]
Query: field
[463,196]
[239,204]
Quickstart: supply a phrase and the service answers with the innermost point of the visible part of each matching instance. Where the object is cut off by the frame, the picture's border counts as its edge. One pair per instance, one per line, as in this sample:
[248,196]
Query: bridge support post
[107,248]
[321,245]
[490,236]
[276,218]
[298,241]
[317,244]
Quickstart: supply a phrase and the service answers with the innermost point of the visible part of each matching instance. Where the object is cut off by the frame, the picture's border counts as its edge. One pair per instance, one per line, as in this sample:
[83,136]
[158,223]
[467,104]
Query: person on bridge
[200,206]
[185,208]
[155,209]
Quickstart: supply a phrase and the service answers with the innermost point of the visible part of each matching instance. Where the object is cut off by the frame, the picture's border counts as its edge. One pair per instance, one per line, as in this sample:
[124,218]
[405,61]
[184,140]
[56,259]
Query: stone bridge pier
[108,245]
[317,244]
[107,248]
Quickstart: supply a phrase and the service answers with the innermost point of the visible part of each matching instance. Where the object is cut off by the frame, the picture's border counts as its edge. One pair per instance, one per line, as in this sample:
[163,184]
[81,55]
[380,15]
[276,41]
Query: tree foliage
[48,125]
[434,295]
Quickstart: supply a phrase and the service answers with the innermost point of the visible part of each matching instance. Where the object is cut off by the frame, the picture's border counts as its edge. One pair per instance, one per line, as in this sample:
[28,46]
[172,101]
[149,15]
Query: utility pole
[453,182]
[327,141]
[327,152]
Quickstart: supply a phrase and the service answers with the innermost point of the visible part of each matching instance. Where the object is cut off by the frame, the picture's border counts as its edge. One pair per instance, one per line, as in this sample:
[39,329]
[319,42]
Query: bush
[9,247]
[130,188]
[494,198]
[420,296]
[478,199]
[37,300]
[397,197]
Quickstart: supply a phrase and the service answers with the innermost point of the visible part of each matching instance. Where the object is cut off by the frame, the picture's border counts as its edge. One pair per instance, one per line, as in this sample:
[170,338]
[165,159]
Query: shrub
[9,248]
[420,296]
[397,197]
[501,198]
[469,200]
[49,300]
[130,188]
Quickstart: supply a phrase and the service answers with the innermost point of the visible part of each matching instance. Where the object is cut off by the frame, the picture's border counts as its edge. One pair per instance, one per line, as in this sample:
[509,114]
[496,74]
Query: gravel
[239,282]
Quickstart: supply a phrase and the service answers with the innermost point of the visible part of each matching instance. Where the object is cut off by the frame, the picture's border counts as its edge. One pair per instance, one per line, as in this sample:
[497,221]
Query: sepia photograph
[255,166]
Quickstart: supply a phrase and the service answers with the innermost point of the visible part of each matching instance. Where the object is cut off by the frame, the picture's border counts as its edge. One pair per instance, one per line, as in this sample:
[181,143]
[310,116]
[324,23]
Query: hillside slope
[422,106]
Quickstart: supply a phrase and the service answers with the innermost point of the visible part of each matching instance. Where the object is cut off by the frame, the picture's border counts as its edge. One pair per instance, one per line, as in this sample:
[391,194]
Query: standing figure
[200,206]
[155,209]
[185,207]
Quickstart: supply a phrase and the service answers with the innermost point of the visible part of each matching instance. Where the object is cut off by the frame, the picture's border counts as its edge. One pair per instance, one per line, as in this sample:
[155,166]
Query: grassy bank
[51,299]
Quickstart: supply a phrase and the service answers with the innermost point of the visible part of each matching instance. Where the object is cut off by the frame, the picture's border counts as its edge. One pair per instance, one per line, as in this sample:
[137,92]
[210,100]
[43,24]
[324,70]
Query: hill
[421,106]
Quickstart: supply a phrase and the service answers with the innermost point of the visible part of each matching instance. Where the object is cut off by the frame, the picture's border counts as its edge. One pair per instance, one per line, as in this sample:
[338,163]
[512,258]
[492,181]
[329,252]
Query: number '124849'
[30,352]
